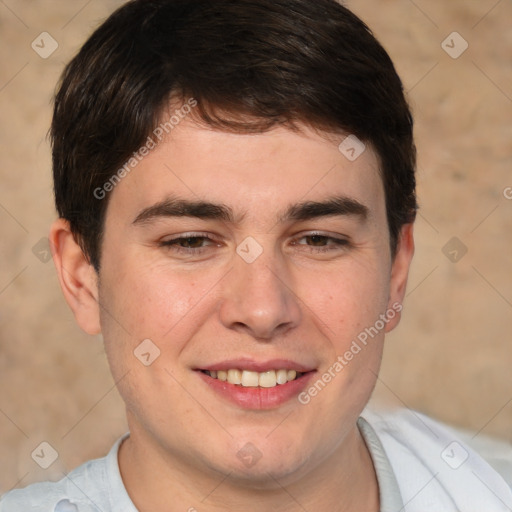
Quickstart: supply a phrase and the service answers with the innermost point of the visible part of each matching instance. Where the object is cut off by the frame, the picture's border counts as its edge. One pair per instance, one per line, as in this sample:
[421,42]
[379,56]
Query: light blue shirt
[95,486]
[408,460]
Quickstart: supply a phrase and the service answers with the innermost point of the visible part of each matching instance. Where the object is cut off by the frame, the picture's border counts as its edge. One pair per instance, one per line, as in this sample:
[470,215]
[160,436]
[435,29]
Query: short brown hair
[250,65]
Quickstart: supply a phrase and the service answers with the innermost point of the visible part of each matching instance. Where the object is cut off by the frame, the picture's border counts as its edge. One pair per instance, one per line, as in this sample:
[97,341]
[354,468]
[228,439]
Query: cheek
[348,299]
[150,301]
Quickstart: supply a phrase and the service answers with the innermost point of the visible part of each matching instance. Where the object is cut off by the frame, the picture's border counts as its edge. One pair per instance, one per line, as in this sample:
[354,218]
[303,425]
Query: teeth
[234,376]
[268,379]
[248,379]
[282,376]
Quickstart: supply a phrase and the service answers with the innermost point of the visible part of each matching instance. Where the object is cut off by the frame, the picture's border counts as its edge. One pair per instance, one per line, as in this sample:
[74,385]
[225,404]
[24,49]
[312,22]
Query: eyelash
[336,243]
[172,244]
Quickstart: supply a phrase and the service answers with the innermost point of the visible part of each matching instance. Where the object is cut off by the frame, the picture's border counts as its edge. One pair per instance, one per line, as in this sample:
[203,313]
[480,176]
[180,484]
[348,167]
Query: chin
[266,476]
[262,469]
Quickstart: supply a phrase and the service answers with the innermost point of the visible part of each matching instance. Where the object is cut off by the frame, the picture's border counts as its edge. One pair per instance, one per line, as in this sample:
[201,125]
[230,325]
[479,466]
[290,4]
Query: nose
[258,298]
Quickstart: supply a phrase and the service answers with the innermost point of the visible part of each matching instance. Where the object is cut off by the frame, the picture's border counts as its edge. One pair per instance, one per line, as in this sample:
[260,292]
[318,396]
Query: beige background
[451,357]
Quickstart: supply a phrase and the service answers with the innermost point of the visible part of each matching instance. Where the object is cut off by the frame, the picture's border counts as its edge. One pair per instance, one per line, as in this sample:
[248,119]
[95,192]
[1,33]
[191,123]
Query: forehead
[255,174]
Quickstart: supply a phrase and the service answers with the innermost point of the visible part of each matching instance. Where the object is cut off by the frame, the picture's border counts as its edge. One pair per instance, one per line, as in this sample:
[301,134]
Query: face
[261,257]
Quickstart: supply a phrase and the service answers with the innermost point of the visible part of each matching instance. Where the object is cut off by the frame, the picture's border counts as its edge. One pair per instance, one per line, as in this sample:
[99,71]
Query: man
[236,193]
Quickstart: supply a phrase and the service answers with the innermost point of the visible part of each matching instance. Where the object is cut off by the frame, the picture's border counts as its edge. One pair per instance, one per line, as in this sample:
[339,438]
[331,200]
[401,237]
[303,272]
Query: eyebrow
[308,210]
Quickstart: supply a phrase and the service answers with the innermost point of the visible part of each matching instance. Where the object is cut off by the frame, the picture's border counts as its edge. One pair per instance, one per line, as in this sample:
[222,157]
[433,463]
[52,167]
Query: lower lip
[258,398]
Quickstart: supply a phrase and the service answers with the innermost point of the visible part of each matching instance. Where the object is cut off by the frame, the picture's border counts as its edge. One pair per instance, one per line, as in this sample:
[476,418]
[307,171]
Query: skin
[292,302]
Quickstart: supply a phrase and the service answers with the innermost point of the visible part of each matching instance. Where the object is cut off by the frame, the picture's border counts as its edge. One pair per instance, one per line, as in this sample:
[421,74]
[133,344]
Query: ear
[78,279]
[399,274]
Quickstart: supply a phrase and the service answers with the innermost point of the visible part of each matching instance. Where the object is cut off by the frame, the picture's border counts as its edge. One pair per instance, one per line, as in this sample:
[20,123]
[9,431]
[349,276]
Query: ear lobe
[399,273]
[78,279]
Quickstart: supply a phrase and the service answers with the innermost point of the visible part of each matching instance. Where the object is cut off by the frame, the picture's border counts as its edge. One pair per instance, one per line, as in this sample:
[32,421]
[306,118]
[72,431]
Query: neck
[345,481]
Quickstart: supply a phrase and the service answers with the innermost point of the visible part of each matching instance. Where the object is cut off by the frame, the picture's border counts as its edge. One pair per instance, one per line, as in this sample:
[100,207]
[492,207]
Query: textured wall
[451,356]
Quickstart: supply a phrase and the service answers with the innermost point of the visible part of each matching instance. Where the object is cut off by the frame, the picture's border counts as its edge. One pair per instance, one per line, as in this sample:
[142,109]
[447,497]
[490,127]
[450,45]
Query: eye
[321,243]
[192,243]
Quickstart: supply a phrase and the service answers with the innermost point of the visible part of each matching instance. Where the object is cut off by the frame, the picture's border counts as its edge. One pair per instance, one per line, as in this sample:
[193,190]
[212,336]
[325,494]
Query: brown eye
[193,242]
[317,240]
[319,243]
[188,244]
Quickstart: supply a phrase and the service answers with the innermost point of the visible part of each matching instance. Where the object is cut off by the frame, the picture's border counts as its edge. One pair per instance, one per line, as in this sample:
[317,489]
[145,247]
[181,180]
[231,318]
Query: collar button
[65,506]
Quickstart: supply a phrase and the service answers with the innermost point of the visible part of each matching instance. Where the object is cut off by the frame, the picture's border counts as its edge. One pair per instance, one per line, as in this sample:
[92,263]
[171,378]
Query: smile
[261,385]
[251,379]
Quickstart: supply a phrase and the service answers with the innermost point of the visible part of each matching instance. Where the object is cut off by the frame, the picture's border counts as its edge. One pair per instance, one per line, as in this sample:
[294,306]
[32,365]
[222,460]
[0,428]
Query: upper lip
[258,366]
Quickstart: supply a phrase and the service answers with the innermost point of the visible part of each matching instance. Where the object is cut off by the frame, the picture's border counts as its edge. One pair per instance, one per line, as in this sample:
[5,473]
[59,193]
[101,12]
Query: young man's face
[260,280]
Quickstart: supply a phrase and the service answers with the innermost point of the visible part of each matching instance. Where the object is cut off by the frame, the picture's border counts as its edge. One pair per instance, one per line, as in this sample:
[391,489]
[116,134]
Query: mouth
[257,385]
[252,379]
